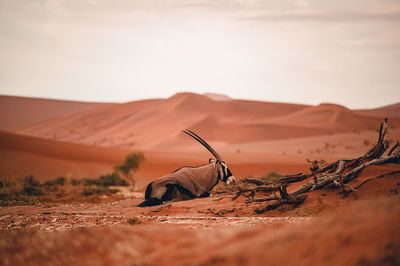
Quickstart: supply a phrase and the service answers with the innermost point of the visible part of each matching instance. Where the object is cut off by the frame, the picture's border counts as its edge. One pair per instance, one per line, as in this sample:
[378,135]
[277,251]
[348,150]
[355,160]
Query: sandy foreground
[366,233]
[327,229]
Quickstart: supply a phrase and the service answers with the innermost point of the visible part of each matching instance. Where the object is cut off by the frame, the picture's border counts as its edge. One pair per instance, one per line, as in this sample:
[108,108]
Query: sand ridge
[156,124]
[17,112]
[254,137]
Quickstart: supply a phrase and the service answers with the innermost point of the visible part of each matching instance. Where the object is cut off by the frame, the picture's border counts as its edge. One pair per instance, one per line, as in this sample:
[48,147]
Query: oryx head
[225,174]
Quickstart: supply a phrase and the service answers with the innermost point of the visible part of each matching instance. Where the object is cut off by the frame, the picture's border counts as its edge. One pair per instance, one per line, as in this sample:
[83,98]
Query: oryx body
[192,182]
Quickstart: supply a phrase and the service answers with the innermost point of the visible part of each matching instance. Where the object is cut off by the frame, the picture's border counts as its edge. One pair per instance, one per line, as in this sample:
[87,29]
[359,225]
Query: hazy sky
[304,51]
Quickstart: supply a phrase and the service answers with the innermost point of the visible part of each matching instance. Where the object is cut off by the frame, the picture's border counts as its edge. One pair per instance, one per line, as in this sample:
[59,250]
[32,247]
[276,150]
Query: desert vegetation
[130,165]
[30,191]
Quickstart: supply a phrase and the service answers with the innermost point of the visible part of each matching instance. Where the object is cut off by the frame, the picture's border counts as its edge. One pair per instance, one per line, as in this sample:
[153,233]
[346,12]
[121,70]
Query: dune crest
[17,112]
[152,124]
[254,136]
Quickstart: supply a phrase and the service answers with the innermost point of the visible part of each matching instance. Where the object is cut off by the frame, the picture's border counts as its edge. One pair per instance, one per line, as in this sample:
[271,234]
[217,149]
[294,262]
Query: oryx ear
[210,160]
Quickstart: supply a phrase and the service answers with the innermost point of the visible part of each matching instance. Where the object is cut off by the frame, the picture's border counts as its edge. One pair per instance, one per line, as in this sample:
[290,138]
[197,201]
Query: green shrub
[31,190]
[7,182]
[98,191]
[11,199]
[31,187]
[271,177]
[90,182]
[112,180]
[106,180]
[131,164]
[75,182]
[31,181]
[58,181]
[221,186]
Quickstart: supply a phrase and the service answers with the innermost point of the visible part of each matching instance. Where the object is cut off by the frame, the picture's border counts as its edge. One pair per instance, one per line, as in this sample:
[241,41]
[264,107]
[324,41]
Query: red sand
[17,112]
[349,232]
[253,137]
[156,124]
[47,159]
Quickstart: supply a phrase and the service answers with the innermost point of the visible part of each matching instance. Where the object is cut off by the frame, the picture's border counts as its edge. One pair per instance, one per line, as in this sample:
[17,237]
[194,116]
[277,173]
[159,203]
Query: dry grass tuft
[134,220]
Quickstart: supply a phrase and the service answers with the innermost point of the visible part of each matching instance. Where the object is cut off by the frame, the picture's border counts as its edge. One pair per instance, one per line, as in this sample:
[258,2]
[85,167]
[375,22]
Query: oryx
[191,182]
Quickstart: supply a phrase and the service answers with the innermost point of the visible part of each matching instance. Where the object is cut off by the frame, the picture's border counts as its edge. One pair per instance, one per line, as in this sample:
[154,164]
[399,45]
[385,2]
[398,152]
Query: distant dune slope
[253,136]
[17,112]
[47,159]
[392,110]
[156,124]
[23,155]
[335,117]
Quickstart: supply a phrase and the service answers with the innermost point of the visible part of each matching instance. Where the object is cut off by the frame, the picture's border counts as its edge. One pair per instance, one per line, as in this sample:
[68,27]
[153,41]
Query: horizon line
[194,93]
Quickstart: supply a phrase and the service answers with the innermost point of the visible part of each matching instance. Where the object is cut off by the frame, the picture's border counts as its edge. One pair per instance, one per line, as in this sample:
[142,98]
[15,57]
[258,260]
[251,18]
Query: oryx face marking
[231,180]
[227,176]
[158,193]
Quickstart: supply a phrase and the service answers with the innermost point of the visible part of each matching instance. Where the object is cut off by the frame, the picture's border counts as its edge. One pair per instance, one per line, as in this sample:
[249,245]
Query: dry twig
[339,173]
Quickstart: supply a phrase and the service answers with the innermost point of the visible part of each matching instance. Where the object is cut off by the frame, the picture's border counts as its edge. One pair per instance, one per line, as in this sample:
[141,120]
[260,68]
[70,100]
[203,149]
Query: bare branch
[340,173]
[296,201]
[394,192]
[253,181]
[393,149]
[263,199]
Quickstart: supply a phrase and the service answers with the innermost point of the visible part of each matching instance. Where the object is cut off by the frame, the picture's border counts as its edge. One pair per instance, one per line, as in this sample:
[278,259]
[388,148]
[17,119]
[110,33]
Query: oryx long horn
[203,142]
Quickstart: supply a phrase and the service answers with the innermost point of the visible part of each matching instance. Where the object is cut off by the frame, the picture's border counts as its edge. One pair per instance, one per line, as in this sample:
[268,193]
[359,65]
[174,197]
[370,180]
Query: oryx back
[192,181]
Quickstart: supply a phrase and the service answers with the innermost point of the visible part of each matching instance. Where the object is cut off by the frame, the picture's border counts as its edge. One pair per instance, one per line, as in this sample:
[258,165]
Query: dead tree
[338,173]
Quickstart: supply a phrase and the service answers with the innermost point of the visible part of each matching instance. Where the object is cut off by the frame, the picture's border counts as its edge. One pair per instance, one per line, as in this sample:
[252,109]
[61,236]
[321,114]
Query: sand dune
[156,124]
[392,110]
[144,124]
[17,112]
[47,159]
[254,137]
[336,118]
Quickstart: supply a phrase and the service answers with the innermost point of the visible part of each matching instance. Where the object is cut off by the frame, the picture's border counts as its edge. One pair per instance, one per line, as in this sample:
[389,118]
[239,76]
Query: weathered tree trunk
[338,173]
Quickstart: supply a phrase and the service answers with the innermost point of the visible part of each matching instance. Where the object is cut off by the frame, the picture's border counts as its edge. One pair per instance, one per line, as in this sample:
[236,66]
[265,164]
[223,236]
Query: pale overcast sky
[304,51]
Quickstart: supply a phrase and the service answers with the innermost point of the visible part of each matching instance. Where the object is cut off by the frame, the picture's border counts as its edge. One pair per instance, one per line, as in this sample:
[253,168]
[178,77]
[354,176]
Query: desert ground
[82,141]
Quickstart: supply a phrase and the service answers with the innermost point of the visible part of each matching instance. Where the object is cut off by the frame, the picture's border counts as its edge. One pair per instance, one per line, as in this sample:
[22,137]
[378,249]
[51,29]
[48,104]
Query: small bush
[58,181]
[31,190]
[31,181]
[130,165]
[112,180]
[106,180]
[75,182]
[134,220]
[221,186]
[7,182]
[271,177]
[11,199]
[90,182]
[31,187]
[98,191]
